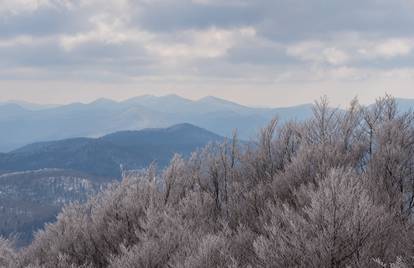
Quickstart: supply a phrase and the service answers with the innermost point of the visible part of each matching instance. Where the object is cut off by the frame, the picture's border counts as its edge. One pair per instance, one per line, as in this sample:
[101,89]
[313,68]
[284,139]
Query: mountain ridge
[103,116]
[102,156]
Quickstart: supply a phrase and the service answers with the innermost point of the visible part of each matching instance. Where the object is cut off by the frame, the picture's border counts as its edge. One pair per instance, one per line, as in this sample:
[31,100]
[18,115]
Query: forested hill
[103,156]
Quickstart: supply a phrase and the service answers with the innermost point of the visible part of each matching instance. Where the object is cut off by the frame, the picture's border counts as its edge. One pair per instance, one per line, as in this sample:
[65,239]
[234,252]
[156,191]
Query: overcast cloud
[264,52]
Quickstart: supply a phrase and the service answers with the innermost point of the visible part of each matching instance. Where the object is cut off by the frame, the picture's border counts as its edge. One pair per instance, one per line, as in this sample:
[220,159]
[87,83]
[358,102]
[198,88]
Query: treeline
[334,191]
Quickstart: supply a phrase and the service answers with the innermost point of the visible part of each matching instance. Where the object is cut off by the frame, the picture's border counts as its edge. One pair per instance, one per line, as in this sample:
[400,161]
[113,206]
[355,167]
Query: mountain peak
[212,98]
[149,96]
[102,101]
[103,155]
[221,103]
[28,105]
[11,107]
[183,127]
[172,96]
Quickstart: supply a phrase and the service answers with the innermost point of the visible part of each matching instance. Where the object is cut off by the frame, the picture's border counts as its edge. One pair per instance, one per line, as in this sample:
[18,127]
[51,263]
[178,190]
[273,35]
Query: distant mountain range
[23,123]
[103,156]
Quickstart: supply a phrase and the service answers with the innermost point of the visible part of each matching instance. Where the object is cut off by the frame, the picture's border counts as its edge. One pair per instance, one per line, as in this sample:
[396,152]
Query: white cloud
[16,41]
[335,56]
[392,48]
[319,52]
[107,30]
[210,43]
[12,7]
[24,41]
[181,47]
[220,2]
[345,49]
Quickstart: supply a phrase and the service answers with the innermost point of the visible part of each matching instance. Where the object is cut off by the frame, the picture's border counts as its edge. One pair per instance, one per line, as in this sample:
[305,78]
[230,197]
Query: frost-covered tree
[336,228]
[8,256]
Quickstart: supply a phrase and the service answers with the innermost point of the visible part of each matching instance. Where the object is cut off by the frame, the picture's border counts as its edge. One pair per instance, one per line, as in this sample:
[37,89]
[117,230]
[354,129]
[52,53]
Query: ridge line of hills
[103,156]
[24,123]
[21,126]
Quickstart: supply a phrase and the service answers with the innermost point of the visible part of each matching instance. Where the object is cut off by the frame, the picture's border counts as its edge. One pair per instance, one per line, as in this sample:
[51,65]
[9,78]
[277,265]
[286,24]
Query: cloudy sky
[256,52]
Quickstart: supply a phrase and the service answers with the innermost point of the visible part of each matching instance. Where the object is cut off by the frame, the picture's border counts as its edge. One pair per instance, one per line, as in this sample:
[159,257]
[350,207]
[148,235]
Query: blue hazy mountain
[405,105]
[103,156]
[20,125]
[29,106]
[23,123]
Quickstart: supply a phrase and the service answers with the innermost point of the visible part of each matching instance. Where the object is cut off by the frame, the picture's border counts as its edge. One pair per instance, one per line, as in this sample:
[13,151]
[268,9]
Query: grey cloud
[384,64]
[178,15]
[36,55]
[283,20]
[278,24]
[43,22]
[92,60]
[259,54]
[276,19]
[301,19]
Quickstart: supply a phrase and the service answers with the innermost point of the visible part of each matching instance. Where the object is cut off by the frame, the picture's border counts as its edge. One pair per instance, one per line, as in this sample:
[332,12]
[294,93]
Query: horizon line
[55,105]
